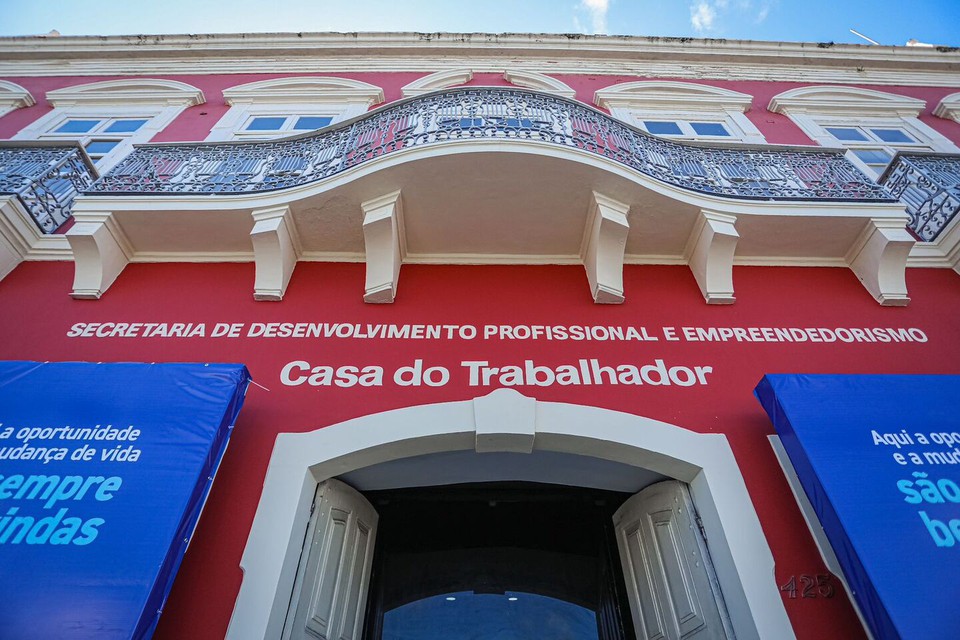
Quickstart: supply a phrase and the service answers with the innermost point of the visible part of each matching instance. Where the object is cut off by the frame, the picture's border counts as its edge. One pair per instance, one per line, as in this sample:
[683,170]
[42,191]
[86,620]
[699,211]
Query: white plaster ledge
[709,252]
[276,249]
[604,241]
[879,260]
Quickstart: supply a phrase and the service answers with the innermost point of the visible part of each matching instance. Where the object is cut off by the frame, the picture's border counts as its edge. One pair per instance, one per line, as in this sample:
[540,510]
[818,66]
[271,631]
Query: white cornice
[437,81]
[682,96]
[13,96]
[538,82]
[607,55]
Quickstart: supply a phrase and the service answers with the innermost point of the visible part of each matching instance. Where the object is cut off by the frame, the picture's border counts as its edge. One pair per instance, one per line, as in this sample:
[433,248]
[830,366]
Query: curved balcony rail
[45,177]
[929,184]
[488,113]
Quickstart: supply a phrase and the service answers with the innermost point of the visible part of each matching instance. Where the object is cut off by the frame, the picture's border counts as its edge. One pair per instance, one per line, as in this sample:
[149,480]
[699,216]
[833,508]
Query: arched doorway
[506,421]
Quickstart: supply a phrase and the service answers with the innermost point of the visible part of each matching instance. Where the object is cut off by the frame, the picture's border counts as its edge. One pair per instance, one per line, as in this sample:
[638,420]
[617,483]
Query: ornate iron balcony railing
[45,177]
[929,184]
[486,113]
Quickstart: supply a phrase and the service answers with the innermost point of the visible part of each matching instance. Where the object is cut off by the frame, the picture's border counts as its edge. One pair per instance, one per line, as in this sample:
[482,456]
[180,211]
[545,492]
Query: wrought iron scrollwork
[45,179]
[756,173]
[929,184]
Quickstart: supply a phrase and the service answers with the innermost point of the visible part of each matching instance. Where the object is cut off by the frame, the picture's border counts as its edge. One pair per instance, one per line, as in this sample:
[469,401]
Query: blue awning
[879,458]
[104,469]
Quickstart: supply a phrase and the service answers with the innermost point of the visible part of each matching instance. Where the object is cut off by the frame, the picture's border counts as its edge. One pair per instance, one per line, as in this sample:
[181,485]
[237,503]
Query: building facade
[604,242]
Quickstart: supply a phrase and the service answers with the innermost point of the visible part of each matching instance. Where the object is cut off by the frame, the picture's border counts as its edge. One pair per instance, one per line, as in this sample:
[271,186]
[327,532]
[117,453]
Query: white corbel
[604,241]
[506,421]
[276,249]
[385,245]
[879,260]
[709,252]
[100,252]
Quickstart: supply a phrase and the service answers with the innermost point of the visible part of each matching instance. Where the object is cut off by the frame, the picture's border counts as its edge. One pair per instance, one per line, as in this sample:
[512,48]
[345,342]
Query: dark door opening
[497,561]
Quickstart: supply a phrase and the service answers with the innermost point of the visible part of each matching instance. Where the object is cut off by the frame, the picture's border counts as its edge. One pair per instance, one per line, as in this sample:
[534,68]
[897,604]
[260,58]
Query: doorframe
[507,421]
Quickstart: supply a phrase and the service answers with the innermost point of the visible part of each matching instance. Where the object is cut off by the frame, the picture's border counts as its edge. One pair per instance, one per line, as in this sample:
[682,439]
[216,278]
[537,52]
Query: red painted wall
[195,123]
[38,313]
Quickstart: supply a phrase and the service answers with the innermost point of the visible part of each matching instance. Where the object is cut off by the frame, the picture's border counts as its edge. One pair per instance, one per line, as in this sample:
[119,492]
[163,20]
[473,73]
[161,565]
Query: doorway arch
[506,421]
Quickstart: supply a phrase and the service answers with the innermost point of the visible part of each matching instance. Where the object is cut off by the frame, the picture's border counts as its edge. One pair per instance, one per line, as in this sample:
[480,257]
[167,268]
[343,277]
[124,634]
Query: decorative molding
[949,107]
[386,246]
[679,96]
[304,90]
[18,233]
[710,252]
[276,249]
[100,252]
[845,101]
[437,81]
[604,241]
[140,91]
[506,421]
[539,82]
[879,260]
[13,96]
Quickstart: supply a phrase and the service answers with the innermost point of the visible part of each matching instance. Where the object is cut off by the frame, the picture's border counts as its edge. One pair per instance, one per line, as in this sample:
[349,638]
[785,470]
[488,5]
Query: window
[682,110]
[288,106]
[685,129]
[873,125]
[99,136]
[108,117]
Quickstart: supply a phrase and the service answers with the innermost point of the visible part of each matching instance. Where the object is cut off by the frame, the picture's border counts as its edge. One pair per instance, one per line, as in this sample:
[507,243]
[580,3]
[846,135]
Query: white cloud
[763,13]
[598,13]
[702,16]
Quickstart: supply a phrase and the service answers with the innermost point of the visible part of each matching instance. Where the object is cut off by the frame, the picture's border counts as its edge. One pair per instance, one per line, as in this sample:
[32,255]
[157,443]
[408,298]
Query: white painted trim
[299,461]
[128,91]
[657,95]
[308,89]
[13,96]
[845,101]
[539,82]
[949,107]
[276,249]
[101,250]
[437,81]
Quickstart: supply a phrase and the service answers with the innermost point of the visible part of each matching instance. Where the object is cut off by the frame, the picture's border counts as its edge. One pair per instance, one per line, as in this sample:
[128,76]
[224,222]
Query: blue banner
[103,471]
[879,458]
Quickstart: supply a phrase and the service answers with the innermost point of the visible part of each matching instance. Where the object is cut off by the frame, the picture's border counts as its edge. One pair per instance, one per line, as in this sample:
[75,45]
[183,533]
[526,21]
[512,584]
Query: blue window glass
[101,147]
[846,133]
[892,135]
[709,129]
[266,123]
[658,128]
[77,126]
[125,126]
[873,156]
[308,123]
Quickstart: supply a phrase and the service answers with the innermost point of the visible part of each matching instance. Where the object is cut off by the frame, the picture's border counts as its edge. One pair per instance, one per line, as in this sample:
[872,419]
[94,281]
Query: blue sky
[886,21]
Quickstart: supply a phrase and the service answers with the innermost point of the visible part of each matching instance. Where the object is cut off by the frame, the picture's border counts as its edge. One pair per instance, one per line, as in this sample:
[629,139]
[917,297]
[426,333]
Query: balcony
[494,114]
[929,184]
[45,177]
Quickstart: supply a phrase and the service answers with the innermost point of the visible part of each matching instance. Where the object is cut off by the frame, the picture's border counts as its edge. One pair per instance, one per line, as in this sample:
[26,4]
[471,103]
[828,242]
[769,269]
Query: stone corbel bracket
[709,253]
[385,245]
[100,252]
[879,260]
[276,249]
[604,242]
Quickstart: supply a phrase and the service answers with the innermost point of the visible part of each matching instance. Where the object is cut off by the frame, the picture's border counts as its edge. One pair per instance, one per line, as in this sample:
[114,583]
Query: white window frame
[815,108]
[336,98]
[634,102]
[157,101]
